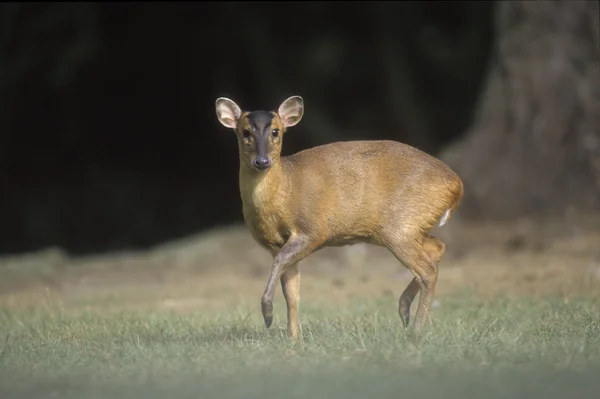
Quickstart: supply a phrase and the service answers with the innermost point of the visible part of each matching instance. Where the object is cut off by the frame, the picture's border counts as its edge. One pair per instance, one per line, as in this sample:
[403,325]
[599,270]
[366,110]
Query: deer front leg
[295,249]
[290,284]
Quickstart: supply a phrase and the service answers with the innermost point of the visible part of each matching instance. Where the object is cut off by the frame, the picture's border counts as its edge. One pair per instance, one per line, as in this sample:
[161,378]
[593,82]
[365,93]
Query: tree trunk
[534,146]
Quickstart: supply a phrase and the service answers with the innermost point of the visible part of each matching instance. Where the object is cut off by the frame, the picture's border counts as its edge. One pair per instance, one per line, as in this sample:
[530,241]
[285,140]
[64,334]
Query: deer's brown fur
[380,192]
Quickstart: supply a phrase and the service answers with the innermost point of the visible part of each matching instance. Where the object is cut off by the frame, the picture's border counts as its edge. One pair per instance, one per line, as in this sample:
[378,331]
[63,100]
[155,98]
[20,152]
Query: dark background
[109,138]
[109,134]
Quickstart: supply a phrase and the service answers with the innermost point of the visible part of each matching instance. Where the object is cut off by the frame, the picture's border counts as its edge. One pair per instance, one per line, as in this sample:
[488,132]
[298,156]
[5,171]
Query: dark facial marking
[260,122]
[260,126]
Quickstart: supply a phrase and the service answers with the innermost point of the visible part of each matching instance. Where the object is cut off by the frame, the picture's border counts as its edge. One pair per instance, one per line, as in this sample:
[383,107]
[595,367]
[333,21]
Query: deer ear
[291,111]
[228,112]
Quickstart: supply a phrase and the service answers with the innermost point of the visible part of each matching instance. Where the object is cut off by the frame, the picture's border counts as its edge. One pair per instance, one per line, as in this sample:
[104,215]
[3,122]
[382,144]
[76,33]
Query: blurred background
[109,139]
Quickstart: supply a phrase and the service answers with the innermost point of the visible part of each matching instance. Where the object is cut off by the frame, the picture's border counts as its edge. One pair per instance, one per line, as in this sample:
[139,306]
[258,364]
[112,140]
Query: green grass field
[504,348]
[184,321]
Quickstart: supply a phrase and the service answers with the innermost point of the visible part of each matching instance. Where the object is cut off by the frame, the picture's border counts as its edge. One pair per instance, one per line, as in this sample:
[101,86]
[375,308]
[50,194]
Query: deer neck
[262,190]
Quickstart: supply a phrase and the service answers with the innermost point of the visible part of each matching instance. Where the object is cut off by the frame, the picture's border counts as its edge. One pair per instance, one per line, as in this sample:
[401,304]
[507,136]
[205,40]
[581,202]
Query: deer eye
[275,132]
[246,133]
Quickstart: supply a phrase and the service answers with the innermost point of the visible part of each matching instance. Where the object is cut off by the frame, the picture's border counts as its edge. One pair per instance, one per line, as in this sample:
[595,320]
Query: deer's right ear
[228,112]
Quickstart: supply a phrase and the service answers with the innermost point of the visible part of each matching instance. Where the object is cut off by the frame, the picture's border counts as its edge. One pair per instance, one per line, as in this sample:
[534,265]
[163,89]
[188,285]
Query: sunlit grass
[475,349]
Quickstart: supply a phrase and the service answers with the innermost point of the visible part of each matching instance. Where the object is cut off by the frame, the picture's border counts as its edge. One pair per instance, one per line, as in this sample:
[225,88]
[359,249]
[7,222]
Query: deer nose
[262,162]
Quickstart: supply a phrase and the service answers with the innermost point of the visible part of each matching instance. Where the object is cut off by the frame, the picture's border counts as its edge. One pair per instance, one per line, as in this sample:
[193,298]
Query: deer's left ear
[291,111]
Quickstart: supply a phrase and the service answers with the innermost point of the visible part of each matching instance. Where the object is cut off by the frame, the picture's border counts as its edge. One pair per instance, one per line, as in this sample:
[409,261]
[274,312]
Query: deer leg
[294,250]
[290,284]
[421,257]
[406,300]
[435,250]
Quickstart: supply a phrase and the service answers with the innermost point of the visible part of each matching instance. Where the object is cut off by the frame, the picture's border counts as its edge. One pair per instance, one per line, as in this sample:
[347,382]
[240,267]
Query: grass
[504,348]
[517,316]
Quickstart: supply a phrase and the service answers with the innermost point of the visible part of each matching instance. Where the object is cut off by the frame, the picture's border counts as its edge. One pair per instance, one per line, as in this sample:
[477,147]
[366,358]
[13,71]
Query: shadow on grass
[331,383]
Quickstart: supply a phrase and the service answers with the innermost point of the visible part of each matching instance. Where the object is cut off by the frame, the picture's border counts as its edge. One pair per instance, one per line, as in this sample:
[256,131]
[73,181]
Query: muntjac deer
[379,192]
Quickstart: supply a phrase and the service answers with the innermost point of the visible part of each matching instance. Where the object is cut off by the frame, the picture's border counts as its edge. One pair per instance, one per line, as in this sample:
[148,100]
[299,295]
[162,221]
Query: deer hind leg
[421,256]
[406,300]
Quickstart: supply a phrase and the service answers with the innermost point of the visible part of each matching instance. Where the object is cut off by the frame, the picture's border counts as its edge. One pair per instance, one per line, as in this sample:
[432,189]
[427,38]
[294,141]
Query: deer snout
[261,162]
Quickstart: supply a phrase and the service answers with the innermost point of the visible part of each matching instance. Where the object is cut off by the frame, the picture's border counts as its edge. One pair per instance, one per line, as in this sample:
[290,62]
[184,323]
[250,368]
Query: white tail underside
[444,218]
